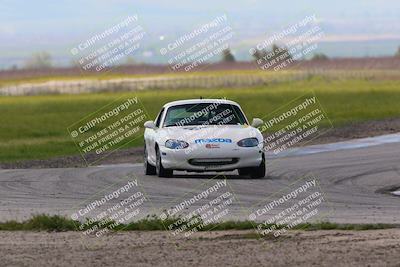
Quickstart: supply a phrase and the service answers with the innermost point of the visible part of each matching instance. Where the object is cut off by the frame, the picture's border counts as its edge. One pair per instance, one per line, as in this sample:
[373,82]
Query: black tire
[148,168]
[259,172]
[161,172]
[244,171]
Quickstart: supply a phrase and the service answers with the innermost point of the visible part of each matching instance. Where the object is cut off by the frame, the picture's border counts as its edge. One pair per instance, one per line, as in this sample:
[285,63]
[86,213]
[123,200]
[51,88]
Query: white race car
[200,135]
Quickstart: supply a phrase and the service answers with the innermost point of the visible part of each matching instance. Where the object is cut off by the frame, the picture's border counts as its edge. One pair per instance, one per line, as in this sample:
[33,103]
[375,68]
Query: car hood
[215,133]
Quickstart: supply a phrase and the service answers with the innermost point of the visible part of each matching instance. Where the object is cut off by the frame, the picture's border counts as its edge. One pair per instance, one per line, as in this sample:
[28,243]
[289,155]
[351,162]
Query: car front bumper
[206,159]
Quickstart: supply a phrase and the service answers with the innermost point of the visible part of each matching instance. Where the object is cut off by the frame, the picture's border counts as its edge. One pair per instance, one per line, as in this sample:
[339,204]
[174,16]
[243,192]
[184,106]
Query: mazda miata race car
[201,135]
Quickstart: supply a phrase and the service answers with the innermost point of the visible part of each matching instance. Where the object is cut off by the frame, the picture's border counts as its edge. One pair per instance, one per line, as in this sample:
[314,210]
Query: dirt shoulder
[135,155]
[224,248]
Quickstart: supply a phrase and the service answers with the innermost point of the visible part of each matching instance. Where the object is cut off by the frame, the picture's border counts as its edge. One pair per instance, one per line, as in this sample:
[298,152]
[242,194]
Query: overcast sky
[35,25]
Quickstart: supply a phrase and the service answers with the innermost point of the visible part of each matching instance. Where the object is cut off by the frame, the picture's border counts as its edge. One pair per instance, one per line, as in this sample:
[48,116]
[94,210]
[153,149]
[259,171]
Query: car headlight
[176,144]
[248,142]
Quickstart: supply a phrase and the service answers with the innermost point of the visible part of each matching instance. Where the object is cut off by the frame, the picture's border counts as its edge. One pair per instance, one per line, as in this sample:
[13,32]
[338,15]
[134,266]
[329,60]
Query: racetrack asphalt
[356,183]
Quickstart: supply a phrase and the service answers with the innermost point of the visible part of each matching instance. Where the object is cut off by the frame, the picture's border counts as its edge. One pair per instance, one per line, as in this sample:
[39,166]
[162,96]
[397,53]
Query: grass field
[43,222]
[6,81]
[362,73]
[35,127]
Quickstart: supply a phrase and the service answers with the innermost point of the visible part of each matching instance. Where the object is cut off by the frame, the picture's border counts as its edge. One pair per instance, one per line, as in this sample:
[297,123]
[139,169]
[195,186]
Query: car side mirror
[257,122]
[150,125]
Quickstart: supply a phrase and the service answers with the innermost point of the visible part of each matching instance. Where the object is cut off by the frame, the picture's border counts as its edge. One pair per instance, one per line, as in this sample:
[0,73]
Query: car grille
[213,162]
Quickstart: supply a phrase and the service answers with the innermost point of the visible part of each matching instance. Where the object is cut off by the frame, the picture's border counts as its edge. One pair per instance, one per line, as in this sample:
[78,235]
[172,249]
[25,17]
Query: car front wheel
[259,172]
[161,172]
[148,168]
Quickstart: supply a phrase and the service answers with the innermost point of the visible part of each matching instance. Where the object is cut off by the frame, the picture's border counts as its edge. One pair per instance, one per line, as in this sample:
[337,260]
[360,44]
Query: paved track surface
[355,183]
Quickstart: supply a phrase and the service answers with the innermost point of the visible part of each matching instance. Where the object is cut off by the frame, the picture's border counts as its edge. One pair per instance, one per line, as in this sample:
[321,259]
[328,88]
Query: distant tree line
[276,53]
[39,60]
[272,56]
[227,56]
[319,56]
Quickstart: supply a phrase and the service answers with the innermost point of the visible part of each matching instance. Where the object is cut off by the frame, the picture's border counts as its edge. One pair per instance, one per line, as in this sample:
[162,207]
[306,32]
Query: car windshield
[204,114]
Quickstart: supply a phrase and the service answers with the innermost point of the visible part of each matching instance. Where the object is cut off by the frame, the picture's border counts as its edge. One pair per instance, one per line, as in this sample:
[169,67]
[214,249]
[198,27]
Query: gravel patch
[224,248]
